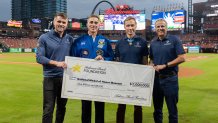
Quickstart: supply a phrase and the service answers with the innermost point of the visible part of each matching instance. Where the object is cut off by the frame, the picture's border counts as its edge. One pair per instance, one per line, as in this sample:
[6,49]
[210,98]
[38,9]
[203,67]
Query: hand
[159,67]
[99,57]
[151,64]
[61,64]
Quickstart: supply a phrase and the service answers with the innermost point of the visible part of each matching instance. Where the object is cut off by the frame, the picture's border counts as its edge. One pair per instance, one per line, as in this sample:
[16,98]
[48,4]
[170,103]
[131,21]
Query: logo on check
[76,68]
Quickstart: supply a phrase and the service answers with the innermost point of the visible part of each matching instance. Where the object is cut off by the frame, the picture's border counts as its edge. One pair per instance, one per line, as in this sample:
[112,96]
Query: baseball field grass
[21,93]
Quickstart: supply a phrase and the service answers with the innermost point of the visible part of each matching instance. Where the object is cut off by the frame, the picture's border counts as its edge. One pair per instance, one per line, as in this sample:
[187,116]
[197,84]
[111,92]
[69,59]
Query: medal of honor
[130,41]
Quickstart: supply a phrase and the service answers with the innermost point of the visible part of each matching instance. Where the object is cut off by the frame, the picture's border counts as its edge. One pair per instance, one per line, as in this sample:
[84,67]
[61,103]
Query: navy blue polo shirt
[131,52]
[165,51]
[52,47]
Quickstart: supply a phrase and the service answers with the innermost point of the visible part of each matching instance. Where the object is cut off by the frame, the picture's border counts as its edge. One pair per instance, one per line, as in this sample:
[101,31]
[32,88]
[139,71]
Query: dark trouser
[168,88]
[87,109]
[52,93]
[121,114]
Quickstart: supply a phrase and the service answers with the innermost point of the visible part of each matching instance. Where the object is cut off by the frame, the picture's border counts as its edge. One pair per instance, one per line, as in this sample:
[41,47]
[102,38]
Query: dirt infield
[189,72]
[183,71]
[192,58]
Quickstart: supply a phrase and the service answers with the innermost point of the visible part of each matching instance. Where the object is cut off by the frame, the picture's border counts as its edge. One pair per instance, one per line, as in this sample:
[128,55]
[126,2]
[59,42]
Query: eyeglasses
[93,22]
[161,26]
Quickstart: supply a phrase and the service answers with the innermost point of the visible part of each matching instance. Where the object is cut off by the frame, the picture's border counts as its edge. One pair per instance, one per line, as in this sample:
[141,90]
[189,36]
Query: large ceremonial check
[108,81]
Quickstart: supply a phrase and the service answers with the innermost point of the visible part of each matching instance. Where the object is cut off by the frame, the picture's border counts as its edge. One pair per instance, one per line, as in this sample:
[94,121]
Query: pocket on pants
[173,80]
[48,84]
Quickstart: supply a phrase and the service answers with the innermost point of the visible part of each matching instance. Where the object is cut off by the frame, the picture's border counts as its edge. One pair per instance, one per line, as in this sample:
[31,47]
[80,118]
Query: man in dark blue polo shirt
[131,49]
[52,49]
[166,53]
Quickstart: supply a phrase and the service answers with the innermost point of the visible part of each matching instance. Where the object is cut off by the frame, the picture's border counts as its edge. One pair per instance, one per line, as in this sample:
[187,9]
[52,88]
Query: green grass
[21,93]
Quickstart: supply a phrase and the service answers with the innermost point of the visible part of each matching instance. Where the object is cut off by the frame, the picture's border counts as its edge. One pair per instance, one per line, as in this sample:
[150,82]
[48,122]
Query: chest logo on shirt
[83,43]
[101,43]
[99,52]
[67,41]
[167,42]
[137,45]
[85,52]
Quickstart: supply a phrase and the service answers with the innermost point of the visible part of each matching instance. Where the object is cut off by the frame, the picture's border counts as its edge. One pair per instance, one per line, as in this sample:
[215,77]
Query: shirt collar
[91,35]
[56,34]
[134,37]
[165,38]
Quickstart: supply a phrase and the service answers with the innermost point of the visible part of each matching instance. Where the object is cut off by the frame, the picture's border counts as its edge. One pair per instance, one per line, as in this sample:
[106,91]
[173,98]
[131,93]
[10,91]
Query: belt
[169,74]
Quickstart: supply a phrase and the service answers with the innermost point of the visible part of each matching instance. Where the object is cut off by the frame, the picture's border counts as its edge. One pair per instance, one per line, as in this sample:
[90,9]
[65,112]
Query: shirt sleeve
[145,51]
[73,49]
[109,56]
[117,52]
[40,53]
[179,48]
[150,52]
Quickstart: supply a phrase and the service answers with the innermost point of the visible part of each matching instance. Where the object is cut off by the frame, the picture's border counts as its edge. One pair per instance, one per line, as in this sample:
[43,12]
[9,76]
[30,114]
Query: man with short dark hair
[93,46]
[131,49]
[166,53]
[52,49]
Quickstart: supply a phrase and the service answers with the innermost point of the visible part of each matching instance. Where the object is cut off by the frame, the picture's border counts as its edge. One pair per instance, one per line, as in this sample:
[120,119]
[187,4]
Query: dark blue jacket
[86,47]
[52,47]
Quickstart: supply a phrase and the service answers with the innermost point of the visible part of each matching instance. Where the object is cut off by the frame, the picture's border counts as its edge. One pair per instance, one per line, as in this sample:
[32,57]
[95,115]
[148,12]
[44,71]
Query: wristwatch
[166,64]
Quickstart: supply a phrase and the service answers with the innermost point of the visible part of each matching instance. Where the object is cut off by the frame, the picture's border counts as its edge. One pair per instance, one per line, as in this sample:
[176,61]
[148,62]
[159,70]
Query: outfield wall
[20,50]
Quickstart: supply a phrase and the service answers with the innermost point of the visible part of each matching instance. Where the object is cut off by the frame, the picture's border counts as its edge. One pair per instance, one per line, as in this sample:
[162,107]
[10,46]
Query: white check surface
[107,81]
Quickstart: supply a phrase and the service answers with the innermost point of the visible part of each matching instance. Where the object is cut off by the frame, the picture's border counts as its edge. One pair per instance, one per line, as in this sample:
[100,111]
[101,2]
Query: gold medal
[130,43]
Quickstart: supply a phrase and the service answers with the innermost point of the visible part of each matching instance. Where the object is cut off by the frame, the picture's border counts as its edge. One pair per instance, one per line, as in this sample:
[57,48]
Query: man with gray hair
[166,53]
